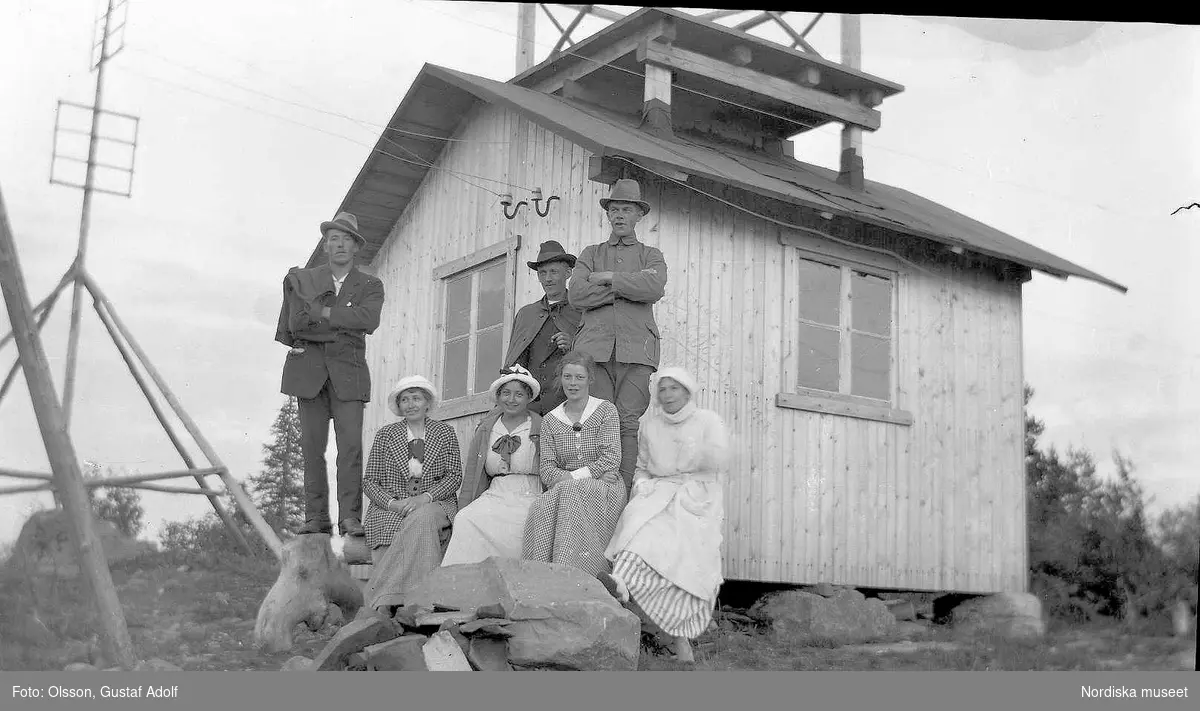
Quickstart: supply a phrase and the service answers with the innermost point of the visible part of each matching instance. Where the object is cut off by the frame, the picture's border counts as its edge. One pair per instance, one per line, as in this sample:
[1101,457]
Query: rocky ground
[200,615]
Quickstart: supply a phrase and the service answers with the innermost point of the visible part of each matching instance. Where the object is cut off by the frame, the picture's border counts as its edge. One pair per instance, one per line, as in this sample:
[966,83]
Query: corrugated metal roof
[779,178]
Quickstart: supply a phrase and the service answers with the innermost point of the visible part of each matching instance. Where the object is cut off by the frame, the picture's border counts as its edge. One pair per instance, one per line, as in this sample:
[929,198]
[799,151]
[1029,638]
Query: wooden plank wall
[937,505]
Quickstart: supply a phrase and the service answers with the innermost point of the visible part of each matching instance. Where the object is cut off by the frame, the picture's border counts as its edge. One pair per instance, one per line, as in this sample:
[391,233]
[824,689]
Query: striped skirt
[675,611]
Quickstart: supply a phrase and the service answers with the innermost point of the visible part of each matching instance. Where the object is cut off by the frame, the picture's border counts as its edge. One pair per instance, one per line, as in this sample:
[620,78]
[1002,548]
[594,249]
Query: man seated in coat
[545,330]
[327,313]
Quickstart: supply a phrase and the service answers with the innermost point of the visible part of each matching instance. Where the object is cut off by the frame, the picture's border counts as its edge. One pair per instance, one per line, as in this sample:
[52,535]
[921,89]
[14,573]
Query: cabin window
[845,330]
[476,298]
[842,354]
[474,340]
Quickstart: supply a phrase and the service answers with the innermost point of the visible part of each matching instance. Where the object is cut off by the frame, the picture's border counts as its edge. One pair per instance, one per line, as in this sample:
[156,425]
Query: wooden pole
[157,476]
[18,474]
[852,57]
[235,488]
[45,303]
[12,372]
[85,224]
[63,461]
[526,31]
[234,529]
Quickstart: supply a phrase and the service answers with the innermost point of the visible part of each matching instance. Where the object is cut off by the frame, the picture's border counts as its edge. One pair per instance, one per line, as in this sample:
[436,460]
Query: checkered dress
[386,476]
[572,522]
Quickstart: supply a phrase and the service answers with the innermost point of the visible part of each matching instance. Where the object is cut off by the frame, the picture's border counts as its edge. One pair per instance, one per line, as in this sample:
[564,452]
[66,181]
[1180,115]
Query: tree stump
[310,579]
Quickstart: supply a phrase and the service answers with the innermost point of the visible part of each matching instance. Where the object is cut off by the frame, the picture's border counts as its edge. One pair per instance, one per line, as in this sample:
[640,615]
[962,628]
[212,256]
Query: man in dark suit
[326,315]
[545,330]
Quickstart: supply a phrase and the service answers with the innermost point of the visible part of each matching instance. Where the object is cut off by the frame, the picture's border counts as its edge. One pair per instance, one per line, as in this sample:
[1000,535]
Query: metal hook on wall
[506,201]
[537,198]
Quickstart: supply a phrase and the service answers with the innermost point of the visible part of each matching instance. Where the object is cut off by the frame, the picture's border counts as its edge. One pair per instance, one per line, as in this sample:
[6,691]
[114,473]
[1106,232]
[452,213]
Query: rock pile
[499,615]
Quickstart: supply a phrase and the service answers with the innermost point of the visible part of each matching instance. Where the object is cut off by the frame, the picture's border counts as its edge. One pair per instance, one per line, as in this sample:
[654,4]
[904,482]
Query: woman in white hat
[411,479]
[501,479]
[580,458]
[666,551]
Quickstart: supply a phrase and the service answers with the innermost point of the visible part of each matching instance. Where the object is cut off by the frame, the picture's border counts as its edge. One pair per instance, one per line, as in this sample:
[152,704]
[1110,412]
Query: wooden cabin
[863,344]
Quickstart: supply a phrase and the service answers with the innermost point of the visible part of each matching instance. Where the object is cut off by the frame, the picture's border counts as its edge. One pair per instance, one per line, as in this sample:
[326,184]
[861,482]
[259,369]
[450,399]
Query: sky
[255,118]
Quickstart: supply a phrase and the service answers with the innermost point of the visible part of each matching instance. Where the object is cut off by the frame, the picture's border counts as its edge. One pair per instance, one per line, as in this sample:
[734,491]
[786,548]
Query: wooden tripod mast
[131,352]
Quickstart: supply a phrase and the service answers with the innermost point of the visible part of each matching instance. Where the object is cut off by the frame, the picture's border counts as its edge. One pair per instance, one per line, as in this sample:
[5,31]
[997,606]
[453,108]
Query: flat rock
[495,611]
[442,653]
[80,666]
[459,587]
[490,627]
[297,663]
[437,619]
[847,617]
[1008,615]
[400,654]
[352,638]
[486,654]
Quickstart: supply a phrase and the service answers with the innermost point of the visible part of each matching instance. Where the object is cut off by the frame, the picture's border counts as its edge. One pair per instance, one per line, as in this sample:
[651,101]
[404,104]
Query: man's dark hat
[552,251]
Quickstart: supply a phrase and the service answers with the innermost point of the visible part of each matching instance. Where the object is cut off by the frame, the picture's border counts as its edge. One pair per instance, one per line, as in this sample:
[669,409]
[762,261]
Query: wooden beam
[753,22]
[41,323]
[740,55]
[231,484]
[26,488]
[61,452]
[46,303]
[720,14]
[586,64]
[167,489]
[797,38]
[157,476]
[161,416]
[566,35]
[600,12]
[17,474]
[608,168]
[740,77]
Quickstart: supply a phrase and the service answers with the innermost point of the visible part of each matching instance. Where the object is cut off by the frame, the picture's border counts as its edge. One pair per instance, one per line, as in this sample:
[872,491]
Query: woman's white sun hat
[511,373]
[407,383]
[680,376]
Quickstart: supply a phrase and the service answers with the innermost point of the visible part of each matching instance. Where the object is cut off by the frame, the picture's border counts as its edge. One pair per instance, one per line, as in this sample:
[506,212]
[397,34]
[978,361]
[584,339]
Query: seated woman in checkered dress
[502,480]
[411,481]
[666,551]
[580,455]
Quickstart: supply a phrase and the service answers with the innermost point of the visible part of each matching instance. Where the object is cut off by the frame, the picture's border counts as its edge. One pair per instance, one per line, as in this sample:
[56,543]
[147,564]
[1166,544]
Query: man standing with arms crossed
[327,313]
[545,330]
[616,284]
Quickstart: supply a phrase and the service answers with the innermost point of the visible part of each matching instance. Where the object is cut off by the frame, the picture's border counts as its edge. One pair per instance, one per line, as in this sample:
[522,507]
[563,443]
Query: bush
[206,540]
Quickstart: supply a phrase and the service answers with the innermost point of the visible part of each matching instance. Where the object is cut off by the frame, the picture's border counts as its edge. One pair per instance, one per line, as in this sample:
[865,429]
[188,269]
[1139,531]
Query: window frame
[504,252]
[842,402]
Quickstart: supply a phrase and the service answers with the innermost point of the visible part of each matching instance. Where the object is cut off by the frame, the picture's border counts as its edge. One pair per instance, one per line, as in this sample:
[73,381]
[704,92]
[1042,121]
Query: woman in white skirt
[501,480]
[666,551]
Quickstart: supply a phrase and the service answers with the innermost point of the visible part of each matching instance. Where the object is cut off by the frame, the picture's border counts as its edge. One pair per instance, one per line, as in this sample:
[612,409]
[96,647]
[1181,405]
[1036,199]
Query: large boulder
[44,544]
[1009,615]
[845,617]
[561,617]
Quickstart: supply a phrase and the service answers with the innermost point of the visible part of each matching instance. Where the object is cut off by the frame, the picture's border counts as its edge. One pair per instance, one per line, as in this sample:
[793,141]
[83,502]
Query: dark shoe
[352,527]
[317,527]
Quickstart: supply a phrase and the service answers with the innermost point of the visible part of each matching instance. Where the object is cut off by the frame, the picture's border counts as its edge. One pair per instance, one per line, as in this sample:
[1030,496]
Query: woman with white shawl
[666,551]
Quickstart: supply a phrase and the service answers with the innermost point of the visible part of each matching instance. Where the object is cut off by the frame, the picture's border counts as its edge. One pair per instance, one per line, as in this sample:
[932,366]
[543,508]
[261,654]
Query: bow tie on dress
[505,446]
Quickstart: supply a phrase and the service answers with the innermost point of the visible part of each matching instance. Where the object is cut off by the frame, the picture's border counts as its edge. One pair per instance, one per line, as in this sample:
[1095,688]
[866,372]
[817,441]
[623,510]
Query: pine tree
[278,489]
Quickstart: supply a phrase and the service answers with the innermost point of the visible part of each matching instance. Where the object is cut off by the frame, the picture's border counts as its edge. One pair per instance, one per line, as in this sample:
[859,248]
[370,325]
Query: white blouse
[522,459]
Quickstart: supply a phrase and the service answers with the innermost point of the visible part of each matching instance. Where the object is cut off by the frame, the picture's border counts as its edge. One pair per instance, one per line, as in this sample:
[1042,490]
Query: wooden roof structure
[439,98]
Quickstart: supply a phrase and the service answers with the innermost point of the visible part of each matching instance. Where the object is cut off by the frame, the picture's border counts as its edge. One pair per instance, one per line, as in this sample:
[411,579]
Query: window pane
[454,369]
[458,307]
[820,292]
[487,357]
[817,361]
[870,360]
[871,297]
[491,296]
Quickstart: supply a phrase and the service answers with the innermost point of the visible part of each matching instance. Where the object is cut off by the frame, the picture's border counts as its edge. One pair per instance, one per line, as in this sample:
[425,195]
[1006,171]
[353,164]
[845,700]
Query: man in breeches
[616,284]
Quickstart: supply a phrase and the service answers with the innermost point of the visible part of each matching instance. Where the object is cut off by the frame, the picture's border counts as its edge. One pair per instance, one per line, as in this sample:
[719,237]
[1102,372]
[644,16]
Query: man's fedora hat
[346,223]
[552,251]
[626,190]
